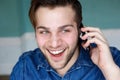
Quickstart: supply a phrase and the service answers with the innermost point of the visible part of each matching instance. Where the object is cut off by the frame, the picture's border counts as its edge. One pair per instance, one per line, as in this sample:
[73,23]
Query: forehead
[57,15]
[67,8]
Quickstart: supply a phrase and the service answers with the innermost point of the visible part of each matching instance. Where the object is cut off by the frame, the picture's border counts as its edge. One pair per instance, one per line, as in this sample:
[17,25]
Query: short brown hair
[35,4]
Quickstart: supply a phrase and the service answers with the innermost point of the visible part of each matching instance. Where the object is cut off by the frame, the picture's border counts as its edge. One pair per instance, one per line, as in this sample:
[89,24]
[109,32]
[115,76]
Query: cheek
[40,41]
[72,39]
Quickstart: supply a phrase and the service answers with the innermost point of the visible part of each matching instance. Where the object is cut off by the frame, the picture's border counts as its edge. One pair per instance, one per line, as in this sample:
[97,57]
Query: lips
[57,55]
[56,52]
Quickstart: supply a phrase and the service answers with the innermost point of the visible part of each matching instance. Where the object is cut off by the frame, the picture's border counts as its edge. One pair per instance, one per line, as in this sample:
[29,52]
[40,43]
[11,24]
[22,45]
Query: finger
[91,29]
[95,40]
[93,34]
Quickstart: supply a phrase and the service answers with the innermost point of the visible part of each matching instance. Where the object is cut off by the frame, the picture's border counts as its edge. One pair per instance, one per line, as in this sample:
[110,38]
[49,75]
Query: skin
[101,54]
[56,30]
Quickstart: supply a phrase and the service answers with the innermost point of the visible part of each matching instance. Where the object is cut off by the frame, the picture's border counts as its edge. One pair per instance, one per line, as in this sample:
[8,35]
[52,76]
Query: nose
[55,41]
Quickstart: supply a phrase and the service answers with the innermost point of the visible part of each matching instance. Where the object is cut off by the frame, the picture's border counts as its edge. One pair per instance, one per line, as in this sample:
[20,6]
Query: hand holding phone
[93,45]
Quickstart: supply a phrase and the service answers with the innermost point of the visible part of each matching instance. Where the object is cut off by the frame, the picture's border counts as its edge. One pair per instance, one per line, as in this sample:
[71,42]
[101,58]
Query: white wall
[11,48]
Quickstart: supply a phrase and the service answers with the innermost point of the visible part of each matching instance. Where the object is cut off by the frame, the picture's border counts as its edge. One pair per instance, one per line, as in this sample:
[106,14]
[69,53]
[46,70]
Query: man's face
[57,35]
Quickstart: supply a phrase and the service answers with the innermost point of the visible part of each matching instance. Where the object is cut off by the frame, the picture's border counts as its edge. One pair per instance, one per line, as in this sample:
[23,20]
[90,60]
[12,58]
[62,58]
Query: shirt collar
[39,59]
[84,58]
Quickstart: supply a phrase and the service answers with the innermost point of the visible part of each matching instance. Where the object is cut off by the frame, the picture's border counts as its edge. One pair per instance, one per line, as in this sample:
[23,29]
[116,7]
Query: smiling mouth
[56,52]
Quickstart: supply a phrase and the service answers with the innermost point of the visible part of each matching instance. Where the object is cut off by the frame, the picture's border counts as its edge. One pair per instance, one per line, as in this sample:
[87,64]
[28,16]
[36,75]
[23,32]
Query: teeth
[56,52]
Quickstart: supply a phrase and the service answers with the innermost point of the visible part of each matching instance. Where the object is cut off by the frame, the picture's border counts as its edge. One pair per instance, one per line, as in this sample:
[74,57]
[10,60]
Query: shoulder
[28,56]
[31,54]
[116,55]
[115,52]
[25,63]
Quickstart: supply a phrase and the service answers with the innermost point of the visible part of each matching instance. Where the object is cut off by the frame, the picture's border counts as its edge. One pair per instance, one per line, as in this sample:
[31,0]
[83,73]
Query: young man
[62,54]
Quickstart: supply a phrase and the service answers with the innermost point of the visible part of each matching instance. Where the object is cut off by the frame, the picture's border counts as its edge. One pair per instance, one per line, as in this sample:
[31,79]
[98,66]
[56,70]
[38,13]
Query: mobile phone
[93,45]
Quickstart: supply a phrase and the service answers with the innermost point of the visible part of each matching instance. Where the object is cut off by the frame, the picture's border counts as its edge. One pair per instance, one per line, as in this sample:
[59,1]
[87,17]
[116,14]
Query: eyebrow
[42,27]
[60,27]
[64,26]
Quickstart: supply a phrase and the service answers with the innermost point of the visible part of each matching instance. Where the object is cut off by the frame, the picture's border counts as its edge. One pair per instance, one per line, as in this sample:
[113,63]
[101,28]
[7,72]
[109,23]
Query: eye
[65,30]
[44,32]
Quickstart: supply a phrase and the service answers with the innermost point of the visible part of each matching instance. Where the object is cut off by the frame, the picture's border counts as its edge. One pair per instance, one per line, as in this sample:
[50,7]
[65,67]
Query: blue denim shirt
[32,65]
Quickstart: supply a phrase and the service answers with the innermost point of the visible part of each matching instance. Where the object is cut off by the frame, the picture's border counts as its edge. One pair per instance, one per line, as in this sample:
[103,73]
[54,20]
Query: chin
[57,66]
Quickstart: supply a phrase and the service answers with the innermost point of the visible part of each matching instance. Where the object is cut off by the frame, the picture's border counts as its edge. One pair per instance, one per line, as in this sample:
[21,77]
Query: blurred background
[17,34]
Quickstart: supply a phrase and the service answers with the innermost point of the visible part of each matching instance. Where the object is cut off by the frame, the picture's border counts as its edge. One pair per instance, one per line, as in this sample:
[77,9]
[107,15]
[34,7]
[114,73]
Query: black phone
[82,33]
[93,45]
